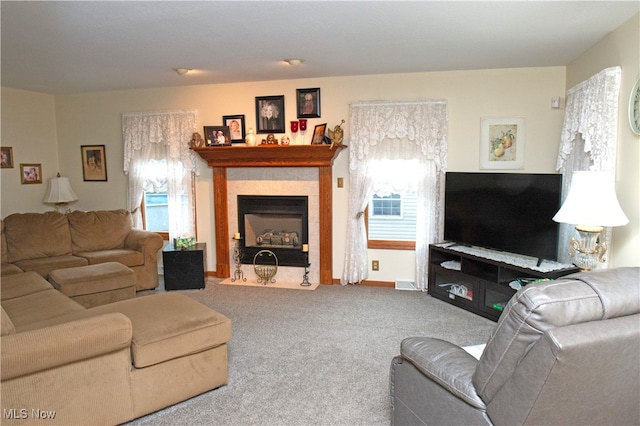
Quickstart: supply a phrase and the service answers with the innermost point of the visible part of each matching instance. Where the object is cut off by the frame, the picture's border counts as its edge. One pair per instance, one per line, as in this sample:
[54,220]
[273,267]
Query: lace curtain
[396,131]
[589,138]
[156,144]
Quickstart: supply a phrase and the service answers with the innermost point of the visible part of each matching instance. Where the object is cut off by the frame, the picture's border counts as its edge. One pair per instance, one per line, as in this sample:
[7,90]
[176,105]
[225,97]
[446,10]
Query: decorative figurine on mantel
[271,140]
[250,139]
[196,141]
[336,135]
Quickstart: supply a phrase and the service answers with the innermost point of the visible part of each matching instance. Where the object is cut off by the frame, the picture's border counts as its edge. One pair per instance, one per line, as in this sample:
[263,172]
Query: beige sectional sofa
[104,365]
[43,242]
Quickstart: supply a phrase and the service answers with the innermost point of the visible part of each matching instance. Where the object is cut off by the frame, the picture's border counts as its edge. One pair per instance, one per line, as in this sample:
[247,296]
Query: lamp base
[587,251]
[63,208]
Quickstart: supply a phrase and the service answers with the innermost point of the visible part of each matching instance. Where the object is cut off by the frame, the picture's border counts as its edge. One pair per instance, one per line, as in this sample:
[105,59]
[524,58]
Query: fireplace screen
[276,223]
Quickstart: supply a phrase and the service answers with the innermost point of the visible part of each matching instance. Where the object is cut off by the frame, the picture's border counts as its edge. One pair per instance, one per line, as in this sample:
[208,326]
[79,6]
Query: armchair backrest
[581,374]
[526,332]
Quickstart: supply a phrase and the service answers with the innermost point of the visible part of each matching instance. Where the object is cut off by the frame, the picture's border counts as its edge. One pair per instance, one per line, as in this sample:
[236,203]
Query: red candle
[294,126]
[303,124]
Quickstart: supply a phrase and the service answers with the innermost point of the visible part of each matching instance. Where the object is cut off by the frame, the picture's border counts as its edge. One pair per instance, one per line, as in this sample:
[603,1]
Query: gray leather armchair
[563,352]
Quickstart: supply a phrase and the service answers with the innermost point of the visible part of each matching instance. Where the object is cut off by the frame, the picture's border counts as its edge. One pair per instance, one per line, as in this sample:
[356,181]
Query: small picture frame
[502,143]
[30,173]
[318,134]
[6,157]
[270,114]
[217,135]
[236,127]
[94,163]
[308,103]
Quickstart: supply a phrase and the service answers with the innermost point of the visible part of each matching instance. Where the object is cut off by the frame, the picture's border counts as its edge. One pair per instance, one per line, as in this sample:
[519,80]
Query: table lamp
[591,205]
[60,193]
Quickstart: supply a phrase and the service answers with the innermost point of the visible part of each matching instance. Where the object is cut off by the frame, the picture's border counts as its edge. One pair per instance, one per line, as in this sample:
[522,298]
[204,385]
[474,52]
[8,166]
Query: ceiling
[65,47]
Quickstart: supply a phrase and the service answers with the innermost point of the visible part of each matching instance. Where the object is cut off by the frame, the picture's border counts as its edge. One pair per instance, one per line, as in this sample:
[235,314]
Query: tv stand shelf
[478,279]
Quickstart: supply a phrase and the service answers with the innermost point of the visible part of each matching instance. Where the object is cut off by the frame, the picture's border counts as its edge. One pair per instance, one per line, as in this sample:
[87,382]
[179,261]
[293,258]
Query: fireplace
[293,157]
[276,223]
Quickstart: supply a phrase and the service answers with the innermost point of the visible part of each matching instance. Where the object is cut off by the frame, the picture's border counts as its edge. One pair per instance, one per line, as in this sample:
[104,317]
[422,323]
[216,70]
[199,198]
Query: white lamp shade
[59,191]
[592,201]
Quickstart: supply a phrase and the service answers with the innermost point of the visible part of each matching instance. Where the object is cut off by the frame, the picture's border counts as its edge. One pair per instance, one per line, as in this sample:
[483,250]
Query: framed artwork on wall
[502,143]
[30,173]
[236,127]
[308,103]
[6,157]
[94,163]
[270,114]
[217,135]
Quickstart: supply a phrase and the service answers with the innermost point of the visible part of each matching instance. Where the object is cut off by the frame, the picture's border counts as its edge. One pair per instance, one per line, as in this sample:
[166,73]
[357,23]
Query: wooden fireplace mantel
[269,155]
[320,156]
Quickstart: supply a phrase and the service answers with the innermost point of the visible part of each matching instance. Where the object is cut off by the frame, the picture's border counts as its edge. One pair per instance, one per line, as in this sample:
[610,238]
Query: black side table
[184,268]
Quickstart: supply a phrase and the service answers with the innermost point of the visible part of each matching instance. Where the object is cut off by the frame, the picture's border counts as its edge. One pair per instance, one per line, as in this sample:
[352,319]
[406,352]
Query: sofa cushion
[36,235]
[9,269]
[165,326]
[7,324]
[92,279]
[99,230]
[22,284]
[170,325]
[124,256]
[36,310]
[44,265]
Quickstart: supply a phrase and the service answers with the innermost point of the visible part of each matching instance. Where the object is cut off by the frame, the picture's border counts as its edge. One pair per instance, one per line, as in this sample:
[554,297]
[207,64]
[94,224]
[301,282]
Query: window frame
[385,244]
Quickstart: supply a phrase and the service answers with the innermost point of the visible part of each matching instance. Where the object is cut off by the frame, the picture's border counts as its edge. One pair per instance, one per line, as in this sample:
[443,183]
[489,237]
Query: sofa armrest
[146,242]
[49,347]
[444,363]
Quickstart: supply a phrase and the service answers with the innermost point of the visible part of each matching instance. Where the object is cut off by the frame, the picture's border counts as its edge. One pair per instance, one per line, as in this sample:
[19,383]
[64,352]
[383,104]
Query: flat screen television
[509,212]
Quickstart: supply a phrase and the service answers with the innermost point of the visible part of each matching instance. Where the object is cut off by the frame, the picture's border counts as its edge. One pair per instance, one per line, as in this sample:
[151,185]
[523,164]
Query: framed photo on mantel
[236,127]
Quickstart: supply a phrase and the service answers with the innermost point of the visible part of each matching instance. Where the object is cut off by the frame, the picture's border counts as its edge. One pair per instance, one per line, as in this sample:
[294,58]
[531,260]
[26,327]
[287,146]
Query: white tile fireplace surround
[277,181]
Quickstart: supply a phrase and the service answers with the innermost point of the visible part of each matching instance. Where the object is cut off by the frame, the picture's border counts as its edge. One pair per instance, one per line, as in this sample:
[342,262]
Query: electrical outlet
[340,182]
[375,265]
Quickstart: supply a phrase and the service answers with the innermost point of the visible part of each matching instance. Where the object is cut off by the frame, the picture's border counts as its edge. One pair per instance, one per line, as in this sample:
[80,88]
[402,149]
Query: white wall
[620,48]
[29,127]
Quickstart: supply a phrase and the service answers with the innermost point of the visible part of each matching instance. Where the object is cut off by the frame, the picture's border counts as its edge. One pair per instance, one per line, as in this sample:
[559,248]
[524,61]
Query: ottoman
[94,285]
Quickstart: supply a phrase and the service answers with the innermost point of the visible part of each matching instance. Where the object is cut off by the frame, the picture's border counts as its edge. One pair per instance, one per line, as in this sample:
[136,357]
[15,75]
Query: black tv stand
[478,280]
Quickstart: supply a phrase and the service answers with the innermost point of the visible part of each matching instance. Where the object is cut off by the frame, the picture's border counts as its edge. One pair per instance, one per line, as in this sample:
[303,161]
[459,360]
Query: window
[389,206]
[156,211]
[158,161]
[391,214]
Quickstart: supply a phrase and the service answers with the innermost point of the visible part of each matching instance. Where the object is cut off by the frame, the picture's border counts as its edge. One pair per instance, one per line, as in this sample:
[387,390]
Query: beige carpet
[314,358]
[278,284]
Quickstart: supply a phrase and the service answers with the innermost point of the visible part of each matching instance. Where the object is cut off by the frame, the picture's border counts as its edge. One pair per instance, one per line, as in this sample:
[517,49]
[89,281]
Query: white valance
[592,111]
[418,129]
[171,129]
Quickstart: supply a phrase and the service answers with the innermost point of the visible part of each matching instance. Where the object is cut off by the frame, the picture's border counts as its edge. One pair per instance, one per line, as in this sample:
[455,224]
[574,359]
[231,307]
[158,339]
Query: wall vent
[405,285]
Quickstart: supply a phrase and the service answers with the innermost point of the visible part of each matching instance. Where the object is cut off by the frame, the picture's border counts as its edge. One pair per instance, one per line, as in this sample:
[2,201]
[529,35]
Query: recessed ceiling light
[182,71]
[294,62]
